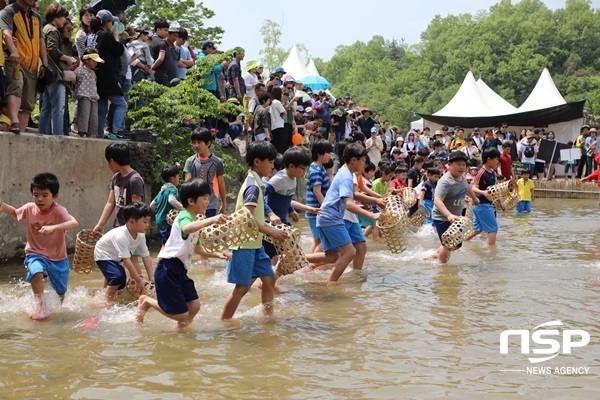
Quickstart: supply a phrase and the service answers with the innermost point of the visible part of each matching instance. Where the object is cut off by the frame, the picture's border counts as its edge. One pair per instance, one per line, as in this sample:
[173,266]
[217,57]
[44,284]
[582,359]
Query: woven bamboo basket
[453,237]
[83,260]
[469,229]
[291,256]
[172,215]
[239,229]
[392,229]
[409,197]
[416,220]
[394,204]
[149,289]
[502,191]
[512,201]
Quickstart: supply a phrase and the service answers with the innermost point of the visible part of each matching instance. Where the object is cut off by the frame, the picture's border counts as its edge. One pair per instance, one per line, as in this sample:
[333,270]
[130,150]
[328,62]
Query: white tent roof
[497,103]
[544,94]
[294,64]
[468,101]
[312,68]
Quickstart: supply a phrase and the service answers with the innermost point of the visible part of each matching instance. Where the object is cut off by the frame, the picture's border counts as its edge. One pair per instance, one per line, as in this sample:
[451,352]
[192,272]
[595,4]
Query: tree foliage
[273,55]
[508,46]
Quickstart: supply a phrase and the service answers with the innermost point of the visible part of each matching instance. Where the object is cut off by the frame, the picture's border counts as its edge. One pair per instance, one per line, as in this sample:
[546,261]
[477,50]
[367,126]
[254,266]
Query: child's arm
[133,273]
[108,209]
[303,207]
[187,176]
[277,234]
[222,194]
[64,226]
[317,192]
[8,209]
[175,203]
[470,193]
[203,223]
[149,267]
[356,209]
[225,255]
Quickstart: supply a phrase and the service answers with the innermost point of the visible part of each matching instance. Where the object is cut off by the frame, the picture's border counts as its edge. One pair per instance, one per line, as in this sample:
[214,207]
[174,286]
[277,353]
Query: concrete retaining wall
[80,167]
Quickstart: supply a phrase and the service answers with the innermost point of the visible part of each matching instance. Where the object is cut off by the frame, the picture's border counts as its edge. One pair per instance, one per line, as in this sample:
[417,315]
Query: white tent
[312,68]
[418,124]
[544,94]
[497,103]
[469,101]
[294,64]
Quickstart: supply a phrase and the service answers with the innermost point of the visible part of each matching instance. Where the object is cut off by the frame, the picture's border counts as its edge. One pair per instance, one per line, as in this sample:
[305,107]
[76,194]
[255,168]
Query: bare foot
[40,314]
[142,309]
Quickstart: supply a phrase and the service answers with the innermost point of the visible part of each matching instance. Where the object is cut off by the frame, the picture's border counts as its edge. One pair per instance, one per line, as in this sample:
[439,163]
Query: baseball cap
[174,27]
[208,43]
[458,155]
[106,16]
[374,129]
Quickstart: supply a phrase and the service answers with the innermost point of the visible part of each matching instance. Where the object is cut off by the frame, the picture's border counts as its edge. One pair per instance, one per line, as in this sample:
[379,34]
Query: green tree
[272,54]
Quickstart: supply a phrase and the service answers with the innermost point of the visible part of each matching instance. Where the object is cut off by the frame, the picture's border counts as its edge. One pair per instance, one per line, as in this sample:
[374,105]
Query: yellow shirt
[525,189]
[458,143]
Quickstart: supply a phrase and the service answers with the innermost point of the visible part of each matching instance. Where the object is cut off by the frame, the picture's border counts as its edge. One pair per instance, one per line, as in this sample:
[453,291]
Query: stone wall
[81,169]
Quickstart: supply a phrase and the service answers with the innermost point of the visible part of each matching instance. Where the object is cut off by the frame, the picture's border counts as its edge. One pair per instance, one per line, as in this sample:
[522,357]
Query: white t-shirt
[375,151]
[348,216]
[276,110]
[118,244]
[177,246]
[521,149]
[250,80]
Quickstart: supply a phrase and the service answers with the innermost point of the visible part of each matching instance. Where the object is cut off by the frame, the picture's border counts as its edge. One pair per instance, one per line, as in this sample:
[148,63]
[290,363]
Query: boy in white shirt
[114,250]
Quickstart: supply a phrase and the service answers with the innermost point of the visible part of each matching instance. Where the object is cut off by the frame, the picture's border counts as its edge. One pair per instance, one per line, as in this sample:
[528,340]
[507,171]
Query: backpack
[529,151]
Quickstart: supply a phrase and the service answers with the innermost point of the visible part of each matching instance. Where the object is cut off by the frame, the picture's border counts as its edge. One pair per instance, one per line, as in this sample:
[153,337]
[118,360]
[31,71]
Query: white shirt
[375,151]
[118,244]
[276,119]
[250,80]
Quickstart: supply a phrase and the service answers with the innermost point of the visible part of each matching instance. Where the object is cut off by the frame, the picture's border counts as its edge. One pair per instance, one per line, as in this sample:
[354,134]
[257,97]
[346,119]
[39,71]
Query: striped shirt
[483,180]
[316,176]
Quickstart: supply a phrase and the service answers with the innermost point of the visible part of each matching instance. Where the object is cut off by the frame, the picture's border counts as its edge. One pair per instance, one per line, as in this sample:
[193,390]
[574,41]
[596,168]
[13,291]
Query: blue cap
[374,129]
[279,69]
[208,43]
[106,16]
[299,108]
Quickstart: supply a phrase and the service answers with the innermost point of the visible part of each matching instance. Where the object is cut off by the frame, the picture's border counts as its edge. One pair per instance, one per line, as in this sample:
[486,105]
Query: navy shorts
[248,264]
[174,289]
[164,234]
[269,249]
[113,272]
[441,227]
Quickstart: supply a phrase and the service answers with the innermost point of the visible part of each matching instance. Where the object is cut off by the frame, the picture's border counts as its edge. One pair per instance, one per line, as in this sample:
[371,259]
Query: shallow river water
[400,329]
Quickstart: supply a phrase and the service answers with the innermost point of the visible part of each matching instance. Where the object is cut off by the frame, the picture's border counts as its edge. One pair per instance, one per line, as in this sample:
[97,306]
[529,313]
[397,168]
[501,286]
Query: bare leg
[14,103]
[23,120]
[491,238]
[359,256]
[315,244]
[183,320]
[268,294]
[110,292]
[233,301]
[342,262]
[444,255]
[368,230]
[329,257]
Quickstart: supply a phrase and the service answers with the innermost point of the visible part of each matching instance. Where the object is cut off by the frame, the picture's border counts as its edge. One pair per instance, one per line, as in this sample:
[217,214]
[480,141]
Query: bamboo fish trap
[291,256]
[409,197]
[392,230]
[172,215]
[149,289]
[416,220]
[454,235]
[239,229]
[83,260]
[502,191]
[469,230]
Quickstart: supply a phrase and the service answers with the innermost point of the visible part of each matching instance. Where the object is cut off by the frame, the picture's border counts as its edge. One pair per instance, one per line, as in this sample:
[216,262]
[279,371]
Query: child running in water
[176,296]
[46,250]
[484,216]
[317,184]
[114,250]
[449,199]
[427,191]
[249,260]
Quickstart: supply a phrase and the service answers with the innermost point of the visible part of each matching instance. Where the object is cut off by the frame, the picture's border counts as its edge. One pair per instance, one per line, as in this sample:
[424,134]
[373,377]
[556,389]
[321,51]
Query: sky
[322,26]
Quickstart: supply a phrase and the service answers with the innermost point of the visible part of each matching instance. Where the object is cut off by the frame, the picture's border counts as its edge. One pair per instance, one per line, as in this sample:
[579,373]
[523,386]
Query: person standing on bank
[18,20]
[52,112]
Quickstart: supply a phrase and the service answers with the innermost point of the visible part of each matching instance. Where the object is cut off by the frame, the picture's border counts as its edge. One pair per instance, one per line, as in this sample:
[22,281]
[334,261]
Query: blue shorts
[174,289]
[248,264]
[524,205]
[429,206]
[484,218]
[56,271]
[164,234]
[113,272]
[441,227]
[210,213]
[356,234]
[312,222]
[333,237]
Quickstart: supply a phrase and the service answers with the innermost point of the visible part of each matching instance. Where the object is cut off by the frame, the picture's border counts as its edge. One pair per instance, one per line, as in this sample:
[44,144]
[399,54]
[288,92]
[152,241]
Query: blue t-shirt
[483,180]
[333,207]
[429,189]
[316,176]
[279,195]
[184,54]
[324,112]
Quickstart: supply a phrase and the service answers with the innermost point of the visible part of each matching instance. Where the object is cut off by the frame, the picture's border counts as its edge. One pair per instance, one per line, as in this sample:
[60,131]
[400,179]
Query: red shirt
[506,165]
[397,183]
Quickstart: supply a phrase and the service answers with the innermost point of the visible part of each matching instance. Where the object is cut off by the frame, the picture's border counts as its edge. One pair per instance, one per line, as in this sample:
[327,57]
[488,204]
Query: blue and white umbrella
[315,82]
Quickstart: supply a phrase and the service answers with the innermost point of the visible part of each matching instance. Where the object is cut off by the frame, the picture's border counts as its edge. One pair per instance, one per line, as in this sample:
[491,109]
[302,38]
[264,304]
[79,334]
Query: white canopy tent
[312,68]
[294,64]
[497,103]
[544,94]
